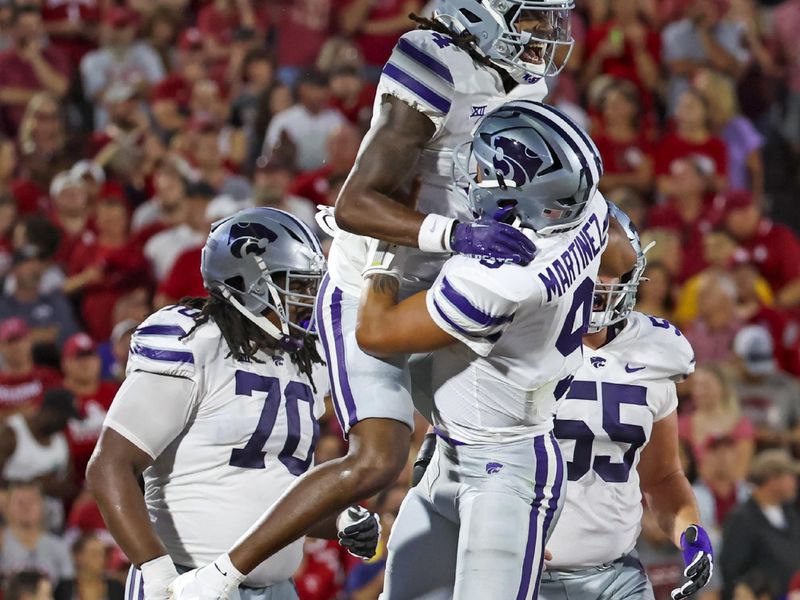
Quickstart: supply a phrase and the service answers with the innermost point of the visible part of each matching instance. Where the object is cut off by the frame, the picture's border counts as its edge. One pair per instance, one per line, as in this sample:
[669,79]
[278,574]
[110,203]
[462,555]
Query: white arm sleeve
[151,410]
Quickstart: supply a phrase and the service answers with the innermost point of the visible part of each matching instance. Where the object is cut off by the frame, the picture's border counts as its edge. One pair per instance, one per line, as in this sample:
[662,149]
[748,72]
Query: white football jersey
[251,434]
[602,425]
[428,72]
[521,329]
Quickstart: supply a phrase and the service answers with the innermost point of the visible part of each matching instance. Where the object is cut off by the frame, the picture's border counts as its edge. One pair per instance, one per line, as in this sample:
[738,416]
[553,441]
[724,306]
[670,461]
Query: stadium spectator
[70,213]
[756,584]
[711,333]
[625,47]
[91,581]
[764,532]
[109,265]
[256,75]
[692,138]
[719,250]
[352,96]
[44,152]
[623,144]
[307,124]
[769,398]
[81,366]
[271,181]
[27,546]
[28,585]
[773,248]
[307,20]
[205,154]
[686,213]
[167,207]
[787,23]
[37,231]
[341,149]
[34,447]
[114,352]
[22,382]
[73,27]
[164,248]
[160,31]
[376,27]
[121,59]
[715,413]
[655,292]
[31,65]
[742,141]
[8,217]
[703,38]
[49,315]
[8,163]
[718,490]
[219,20]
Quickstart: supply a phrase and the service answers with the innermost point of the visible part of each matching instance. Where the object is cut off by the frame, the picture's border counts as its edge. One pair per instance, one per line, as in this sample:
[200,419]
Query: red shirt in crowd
[17,72]
[303,28]
[376,49]
[667,216]
[30,196]
[359,111]
[784,328]
[672,147]
[124,268]
[313,185]
[775,252]
[83,435]
[184,279]
[322,572]
[624,65]
[20,392]
[82,12]
[623,157]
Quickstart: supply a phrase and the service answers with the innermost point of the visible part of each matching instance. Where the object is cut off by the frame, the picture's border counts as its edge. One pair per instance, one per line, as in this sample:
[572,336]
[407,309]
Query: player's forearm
[619,256]
[121,502]
[325,529]
[673,504]
[367,212]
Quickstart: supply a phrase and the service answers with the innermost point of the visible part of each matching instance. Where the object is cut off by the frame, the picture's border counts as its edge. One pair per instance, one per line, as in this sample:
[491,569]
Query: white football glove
[218,581]
[326,219]
[157,574]
[384,258]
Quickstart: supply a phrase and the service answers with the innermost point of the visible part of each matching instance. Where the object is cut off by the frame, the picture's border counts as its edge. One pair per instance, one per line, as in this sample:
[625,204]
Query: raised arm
[619,256]
[370,202]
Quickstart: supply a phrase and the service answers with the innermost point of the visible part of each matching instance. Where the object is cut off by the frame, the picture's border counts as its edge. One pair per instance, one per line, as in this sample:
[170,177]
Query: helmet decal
[514,160]
[249,238]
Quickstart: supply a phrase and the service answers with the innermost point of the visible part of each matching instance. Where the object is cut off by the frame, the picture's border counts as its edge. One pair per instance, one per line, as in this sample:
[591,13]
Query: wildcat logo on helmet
[514,160]
[250,238]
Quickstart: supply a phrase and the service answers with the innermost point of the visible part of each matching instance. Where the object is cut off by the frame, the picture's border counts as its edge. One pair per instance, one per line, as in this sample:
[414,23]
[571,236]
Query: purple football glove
[487,238]
[698,556]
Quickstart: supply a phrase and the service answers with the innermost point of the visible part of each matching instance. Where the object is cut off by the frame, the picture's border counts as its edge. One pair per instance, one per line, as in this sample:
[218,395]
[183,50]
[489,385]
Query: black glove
[359,531]
[423,459]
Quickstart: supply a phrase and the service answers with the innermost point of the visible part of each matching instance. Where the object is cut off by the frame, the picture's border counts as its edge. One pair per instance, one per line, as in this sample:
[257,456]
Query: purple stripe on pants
[552,507]
[141,586]
[338,340]
[131,580]
[538,495]
[323,337]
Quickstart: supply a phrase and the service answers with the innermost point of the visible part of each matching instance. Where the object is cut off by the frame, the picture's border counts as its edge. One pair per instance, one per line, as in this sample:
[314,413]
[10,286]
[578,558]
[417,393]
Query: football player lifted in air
[440,80]
[618,430]
[508,341]
[219,413]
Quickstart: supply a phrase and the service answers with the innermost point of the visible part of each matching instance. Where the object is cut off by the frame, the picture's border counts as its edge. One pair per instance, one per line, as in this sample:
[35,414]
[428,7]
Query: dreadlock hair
[464,40]
[244,338]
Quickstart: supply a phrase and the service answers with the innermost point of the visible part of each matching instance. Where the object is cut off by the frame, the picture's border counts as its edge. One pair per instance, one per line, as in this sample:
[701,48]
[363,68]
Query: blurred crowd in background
[129,126]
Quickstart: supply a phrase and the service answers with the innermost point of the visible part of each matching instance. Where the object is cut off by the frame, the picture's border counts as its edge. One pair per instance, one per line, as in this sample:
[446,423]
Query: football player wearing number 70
[618,430]
[507,340]
[218,412]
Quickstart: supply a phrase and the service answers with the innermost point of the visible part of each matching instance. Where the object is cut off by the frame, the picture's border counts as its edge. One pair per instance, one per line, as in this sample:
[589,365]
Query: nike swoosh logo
[630,369]
[220,570]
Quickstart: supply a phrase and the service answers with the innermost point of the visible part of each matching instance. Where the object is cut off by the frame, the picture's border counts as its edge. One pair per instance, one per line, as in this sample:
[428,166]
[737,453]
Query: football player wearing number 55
[507,340]
[219,413]
[618,430]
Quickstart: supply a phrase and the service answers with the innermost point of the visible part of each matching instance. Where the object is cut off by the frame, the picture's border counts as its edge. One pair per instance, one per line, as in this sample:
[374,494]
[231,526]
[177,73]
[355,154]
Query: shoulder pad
[663,347]
[159,344]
